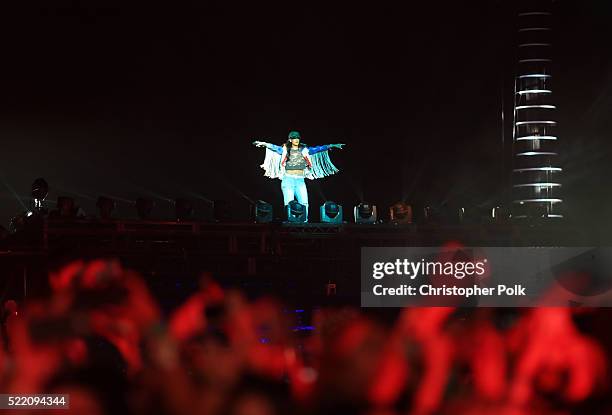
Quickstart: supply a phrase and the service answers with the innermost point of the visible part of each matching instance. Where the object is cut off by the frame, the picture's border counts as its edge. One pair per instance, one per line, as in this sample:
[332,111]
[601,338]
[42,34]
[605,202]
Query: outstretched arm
[273,147]
[317,149]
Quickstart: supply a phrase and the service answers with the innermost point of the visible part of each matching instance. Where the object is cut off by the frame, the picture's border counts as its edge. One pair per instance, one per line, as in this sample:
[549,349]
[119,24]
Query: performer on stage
[294,161]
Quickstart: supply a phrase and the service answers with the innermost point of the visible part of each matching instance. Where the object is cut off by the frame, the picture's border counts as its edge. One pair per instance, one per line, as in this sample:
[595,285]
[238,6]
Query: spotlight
[473,215]
[429,216]
[106,205]
[222,211]
[183,209]
[400,213]
[144,207]
[65,207]
[40,190]
[500,214]
[17,223]
[461,215]
[296,212]
[365,213]
[331,212]
[450,214]
[263,212]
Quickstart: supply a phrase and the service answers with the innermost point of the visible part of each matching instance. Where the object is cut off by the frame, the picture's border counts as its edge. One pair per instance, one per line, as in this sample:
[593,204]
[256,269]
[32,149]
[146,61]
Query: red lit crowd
[101,338]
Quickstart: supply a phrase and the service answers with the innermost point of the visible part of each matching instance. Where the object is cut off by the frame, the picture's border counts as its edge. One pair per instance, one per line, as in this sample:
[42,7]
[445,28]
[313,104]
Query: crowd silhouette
[101,337]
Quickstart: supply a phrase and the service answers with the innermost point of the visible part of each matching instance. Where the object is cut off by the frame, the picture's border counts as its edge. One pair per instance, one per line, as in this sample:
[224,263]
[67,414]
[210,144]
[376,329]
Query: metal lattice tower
[536,173]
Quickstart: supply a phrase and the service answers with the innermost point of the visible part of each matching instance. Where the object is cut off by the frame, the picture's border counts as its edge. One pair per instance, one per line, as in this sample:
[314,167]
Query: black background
[163,100]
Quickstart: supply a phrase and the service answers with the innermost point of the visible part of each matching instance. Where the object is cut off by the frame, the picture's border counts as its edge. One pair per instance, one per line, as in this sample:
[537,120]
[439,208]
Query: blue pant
[294,187]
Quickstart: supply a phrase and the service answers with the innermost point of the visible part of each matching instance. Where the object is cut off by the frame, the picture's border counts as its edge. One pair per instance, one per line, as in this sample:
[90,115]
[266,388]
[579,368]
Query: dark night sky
[140,98]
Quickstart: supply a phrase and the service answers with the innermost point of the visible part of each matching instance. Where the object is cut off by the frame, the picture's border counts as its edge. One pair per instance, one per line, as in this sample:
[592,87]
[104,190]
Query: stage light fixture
[400,213]
[449,214]
[144,207]
[365,213]
[106,206]
[17,223]
[429,216]
[66,207]
[500,214]
[461,216]
[222,211]
[40,190]
[183,209]
[331,212]
[262,212]
[296,212]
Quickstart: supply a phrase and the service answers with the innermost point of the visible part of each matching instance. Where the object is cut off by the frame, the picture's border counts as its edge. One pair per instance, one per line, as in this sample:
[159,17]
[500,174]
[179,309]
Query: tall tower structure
[536,186]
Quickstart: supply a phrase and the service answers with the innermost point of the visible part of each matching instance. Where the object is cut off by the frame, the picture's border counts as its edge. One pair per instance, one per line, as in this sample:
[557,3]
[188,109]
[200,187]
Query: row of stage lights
[261,211]
[366,213]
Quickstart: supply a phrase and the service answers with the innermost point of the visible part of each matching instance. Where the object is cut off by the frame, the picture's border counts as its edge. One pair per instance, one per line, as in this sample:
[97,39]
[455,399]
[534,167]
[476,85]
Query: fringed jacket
[317,159]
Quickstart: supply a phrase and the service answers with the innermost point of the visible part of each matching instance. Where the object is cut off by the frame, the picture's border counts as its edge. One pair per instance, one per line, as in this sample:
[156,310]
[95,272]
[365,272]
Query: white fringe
[272,165]
[321,166]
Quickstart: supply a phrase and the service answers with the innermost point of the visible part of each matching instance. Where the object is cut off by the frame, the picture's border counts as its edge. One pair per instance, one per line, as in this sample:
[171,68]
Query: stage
[299,261]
